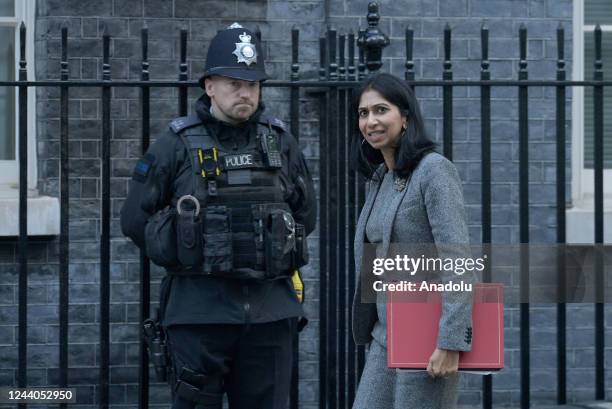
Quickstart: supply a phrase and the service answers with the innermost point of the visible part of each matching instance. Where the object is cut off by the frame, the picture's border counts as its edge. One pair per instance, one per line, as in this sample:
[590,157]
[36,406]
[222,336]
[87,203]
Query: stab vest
[234,188]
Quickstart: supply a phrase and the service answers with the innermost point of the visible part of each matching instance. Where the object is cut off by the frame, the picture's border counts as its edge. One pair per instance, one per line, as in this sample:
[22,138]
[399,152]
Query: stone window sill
[581,221]
[43,214]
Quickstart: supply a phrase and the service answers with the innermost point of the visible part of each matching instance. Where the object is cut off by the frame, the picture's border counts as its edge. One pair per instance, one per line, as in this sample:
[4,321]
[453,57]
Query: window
[43,212]
[7,96]
[12,13]
[588,13]
[580,217]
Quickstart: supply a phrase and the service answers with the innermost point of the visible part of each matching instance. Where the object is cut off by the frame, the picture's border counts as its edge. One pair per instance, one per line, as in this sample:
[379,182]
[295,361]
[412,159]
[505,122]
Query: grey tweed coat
[429,209]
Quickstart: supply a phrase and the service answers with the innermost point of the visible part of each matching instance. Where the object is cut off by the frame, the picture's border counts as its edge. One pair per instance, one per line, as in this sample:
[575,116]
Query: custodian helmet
[236,53]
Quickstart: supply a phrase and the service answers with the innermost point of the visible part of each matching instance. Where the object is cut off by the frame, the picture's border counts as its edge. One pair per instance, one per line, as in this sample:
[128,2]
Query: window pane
[589,56]
[7,94]
[7,8]
[597,12]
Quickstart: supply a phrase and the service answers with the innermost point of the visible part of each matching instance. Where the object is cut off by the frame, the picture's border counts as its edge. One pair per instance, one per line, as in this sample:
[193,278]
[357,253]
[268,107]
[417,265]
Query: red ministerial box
[412,329]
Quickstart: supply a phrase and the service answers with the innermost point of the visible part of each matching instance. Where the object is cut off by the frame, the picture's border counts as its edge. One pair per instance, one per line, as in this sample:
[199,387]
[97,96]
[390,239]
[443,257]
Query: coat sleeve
[150,188]
[441,188]
[302,197]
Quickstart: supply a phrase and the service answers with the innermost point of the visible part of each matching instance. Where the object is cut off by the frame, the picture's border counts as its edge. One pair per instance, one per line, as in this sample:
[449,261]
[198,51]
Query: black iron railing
[341,195]
[341,363]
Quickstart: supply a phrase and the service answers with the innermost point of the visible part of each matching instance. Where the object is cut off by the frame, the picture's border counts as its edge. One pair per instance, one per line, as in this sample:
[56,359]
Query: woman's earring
[404,129]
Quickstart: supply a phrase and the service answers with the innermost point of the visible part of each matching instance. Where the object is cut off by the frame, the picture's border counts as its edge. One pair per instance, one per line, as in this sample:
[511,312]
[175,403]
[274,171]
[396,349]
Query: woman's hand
[443,363]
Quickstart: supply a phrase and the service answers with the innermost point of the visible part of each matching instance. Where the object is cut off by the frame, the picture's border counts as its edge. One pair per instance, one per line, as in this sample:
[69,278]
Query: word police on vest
[238,161]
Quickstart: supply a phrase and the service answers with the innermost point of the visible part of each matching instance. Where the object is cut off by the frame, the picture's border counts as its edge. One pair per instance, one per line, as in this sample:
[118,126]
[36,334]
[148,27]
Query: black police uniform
[228,331]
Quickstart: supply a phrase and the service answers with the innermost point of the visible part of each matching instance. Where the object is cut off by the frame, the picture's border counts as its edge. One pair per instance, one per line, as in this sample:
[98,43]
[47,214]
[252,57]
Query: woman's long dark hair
[413,144]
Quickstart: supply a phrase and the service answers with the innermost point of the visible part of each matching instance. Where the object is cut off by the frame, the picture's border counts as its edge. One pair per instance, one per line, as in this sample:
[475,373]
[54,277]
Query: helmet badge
[245,50]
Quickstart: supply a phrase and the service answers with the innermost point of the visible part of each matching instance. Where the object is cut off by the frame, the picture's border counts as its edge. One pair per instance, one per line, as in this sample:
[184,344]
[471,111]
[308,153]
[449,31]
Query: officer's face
[233,100]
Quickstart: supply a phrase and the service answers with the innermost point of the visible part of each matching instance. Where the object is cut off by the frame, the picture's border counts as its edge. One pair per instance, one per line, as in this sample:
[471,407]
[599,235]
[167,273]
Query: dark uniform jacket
[162,176]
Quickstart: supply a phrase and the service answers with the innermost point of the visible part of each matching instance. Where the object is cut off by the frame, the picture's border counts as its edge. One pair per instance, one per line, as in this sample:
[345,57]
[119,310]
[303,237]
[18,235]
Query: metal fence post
[361,67]
[105,229]
[323,230]
[341,222]
[145,265]
[409,74]
[294,118]
[295,76]
[22,376]
[561,277]
[351,57]
[183,74]
[64,218]
[598,102]
[524,216]
[351,222]
[333,203]
[447,96]
[485,143]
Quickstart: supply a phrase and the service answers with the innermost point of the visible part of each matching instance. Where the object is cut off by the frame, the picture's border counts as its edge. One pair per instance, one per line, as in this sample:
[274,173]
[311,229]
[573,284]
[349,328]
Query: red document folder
[412,329]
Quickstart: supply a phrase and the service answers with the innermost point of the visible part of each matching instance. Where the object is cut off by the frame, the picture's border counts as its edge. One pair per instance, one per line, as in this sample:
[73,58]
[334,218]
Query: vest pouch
[218,251]
[279,243]
[301,247]
[189,239]
[160,238]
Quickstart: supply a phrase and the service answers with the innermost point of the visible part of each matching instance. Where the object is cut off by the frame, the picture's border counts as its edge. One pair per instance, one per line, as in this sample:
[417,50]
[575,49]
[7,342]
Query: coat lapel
[391,213]
[361,224]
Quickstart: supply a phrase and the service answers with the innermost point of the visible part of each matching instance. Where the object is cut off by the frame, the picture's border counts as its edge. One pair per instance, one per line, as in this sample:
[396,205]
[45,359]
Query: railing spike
[484,44]
[22,46]
[560,42]
[447,45]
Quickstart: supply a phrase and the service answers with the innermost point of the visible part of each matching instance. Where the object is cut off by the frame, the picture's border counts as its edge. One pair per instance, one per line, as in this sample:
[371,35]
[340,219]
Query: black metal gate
[341,193]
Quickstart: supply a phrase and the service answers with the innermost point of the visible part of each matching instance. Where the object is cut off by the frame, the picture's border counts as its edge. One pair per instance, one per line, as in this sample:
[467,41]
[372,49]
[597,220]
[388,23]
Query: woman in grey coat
[414,197]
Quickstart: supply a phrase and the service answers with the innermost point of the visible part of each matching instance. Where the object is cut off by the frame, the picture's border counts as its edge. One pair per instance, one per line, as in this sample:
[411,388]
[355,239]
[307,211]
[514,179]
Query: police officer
[223,200]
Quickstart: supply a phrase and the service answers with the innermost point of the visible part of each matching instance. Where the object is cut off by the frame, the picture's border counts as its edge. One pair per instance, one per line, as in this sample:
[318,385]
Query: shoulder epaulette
[183,122]
[273,122]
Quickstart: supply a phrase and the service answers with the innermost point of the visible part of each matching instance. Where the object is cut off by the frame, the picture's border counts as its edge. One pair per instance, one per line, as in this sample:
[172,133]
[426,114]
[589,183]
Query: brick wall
[123,20]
